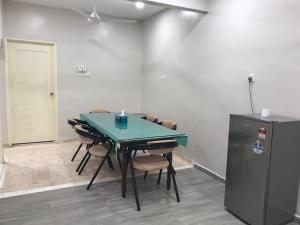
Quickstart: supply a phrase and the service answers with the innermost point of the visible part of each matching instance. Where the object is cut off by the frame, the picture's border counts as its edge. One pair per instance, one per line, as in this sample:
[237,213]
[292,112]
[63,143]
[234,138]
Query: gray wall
[1,20]
[1,72]
[207,61]
[112,52]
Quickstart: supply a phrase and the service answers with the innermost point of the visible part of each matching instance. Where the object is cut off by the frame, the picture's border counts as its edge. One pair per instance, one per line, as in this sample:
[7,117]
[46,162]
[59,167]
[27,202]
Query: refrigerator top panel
[272,118]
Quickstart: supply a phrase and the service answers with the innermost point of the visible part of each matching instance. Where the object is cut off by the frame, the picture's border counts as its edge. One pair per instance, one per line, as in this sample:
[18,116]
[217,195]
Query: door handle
[51,93]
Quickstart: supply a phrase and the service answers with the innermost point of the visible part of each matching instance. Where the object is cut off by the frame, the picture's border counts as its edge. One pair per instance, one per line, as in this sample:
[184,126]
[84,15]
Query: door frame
[8,113]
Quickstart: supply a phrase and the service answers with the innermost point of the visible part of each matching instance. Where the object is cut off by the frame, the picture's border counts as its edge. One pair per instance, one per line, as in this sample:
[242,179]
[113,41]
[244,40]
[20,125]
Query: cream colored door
[30,73]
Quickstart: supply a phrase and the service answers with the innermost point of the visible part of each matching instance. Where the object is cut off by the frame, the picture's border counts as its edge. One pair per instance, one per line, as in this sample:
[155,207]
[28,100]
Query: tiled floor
[43,165]
[202,203]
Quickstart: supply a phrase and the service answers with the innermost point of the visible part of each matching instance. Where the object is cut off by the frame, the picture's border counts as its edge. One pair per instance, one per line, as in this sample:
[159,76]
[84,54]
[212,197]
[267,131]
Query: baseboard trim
[3,169]
[209,172]
[223,179]
[68,140]
[57,141]
[6,146]
[297,219]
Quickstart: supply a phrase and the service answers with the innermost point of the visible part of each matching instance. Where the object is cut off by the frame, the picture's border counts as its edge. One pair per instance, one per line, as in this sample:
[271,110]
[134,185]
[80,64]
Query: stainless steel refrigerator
[262,174]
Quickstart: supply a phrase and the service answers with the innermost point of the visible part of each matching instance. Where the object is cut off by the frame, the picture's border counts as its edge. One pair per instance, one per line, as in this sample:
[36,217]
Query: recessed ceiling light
[140,4]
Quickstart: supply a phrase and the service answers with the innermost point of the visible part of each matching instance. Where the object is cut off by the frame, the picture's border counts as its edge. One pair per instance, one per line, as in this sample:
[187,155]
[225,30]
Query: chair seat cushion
[85,140]
[99,150]
[150,162]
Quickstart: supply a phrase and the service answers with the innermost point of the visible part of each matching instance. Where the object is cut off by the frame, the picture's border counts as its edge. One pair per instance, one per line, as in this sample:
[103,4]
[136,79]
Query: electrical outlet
[163,77]
[251,78]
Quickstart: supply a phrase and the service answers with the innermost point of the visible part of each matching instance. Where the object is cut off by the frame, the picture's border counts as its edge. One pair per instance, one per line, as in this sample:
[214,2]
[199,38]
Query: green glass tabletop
[137,129]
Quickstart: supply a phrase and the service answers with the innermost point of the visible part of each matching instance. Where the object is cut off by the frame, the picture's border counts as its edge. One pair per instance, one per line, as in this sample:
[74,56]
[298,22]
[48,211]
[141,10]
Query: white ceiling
[119,8]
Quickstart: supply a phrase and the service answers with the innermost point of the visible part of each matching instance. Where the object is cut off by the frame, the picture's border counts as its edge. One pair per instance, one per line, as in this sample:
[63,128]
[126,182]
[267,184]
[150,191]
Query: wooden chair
[155,162]
[101,148]
[151,117]
[169,124]
[99,110]
[166,123]
[83,141]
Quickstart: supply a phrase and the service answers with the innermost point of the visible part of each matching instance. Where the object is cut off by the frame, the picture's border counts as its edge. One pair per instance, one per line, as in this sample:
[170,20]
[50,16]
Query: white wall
[207,61]
[1,74]
[112,52]
[0,20]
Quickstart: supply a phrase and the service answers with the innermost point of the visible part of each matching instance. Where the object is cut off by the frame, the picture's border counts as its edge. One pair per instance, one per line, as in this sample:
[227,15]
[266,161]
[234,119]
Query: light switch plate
[82,70]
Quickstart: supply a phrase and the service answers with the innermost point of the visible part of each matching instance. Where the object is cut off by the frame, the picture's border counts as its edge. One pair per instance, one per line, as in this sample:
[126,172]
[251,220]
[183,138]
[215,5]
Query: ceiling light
[93,14]
[189,14]
[140,4]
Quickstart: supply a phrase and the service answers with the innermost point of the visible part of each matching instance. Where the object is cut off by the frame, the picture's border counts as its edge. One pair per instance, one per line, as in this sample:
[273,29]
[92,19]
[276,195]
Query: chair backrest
[84,131]
[151,117]
[99,110]
[167,145]
[169,124]
[72,122]
[159,147]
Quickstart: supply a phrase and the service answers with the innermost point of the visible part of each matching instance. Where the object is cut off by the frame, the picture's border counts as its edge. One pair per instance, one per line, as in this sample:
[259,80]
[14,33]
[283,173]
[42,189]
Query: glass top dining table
[137,130]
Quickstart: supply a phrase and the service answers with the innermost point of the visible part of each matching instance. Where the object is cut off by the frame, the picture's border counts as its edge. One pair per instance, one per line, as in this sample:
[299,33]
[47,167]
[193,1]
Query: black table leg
[169,155]
[119,160]
[124,150]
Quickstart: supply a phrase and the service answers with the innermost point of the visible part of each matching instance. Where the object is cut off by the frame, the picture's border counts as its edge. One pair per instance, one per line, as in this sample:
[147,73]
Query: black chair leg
[159,176]
[82,161]
[134,153]
[145,175]
[74,156]
[169,171]
[99,168]
[110,162]
[135,187]
[84,164]
[175,187]
[172,165]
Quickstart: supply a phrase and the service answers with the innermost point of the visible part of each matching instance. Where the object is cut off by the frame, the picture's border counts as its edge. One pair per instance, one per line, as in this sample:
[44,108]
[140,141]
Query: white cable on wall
[250,81]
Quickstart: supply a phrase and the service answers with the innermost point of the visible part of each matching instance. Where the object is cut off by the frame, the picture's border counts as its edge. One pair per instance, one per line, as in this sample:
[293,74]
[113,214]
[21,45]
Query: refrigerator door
[247,168]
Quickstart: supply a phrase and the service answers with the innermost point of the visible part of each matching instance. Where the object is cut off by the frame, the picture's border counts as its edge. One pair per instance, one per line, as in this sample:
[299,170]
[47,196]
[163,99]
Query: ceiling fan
[96,17]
